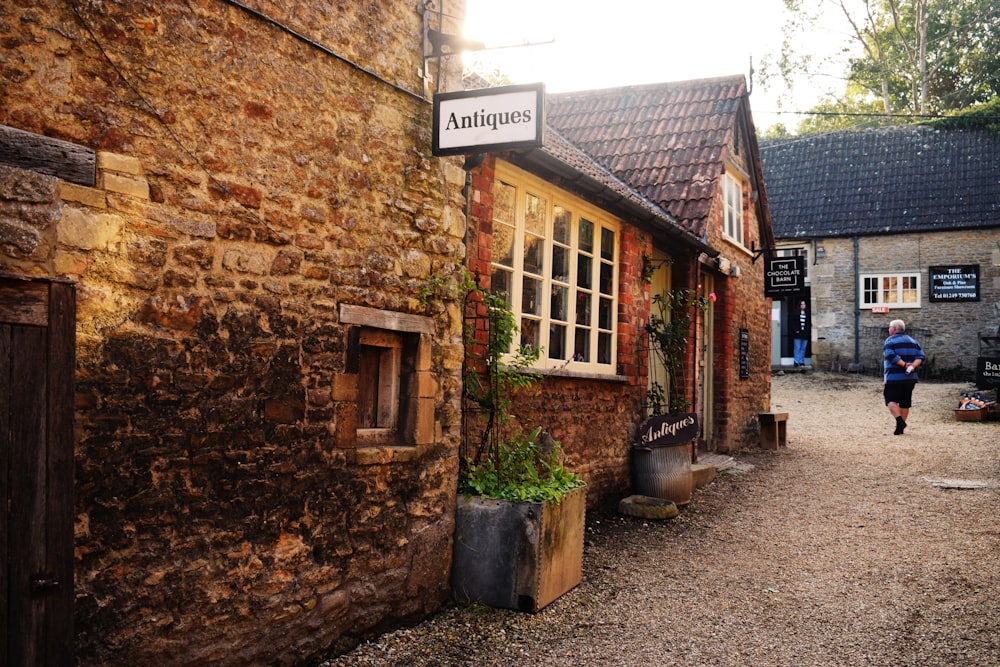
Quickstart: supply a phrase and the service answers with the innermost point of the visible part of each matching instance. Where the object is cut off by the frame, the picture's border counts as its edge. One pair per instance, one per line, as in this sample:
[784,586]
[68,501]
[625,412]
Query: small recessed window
[382,380]
[386,395]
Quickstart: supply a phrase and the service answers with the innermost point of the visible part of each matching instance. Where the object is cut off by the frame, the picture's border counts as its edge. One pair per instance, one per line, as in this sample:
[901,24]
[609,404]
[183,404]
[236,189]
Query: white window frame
[599,332]
[732,208]
[883,283]
[797,251]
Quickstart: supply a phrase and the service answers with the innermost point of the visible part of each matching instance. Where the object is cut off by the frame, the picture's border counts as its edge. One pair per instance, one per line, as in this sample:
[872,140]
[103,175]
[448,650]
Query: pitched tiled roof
[889,180]
[667,141]
[560,157]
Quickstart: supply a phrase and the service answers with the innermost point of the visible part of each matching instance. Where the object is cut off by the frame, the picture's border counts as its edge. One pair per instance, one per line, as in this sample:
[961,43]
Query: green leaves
[521,471]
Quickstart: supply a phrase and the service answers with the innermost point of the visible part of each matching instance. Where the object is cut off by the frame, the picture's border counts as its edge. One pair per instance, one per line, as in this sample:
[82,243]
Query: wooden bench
[773,430]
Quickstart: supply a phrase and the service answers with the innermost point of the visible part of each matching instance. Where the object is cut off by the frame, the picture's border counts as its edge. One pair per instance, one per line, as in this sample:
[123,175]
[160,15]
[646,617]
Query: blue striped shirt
[900,346]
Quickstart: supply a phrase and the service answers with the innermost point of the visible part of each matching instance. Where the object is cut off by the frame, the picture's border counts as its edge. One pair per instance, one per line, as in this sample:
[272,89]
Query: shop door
[659,284]
[705,362]
[37,338]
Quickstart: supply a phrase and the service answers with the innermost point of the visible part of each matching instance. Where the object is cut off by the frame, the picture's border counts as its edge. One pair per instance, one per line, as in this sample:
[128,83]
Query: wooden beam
[46,155]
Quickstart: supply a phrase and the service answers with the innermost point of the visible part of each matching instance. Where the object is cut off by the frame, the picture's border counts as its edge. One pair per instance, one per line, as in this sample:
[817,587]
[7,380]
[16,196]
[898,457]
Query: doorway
[706,361]
[37,361]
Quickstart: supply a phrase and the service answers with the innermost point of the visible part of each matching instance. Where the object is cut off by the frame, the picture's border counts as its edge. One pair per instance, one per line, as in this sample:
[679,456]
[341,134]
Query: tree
[920,57]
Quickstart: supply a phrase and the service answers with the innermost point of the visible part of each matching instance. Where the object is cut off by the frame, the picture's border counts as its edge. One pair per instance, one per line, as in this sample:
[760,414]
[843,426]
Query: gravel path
[841,549]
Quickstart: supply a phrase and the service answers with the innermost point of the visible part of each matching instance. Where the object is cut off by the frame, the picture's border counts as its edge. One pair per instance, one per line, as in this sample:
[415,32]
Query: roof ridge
[686,83]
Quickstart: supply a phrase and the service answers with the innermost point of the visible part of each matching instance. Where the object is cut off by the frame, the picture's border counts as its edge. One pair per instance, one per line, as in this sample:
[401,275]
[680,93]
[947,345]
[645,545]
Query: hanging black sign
[744,354]
[988,372]
[954,283]
[784,275]
[664,430]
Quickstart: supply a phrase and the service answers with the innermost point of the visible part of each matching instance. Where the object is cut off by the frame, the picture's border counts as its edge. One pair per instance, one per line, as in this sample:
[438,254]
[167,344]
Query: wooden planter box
[517,555]
[972,415]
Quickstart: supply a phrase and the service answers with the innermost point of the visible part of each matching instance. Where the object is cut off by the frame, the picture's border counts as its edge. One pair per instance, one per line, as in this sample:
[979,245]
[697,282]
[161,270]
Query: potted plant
[520,514]
[661,461]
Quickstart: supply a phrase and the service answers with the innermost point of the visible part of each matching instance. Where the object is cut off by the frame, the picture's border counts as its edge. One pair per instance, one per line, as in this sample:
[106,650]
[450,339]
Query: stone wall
[952,345]
[250,184]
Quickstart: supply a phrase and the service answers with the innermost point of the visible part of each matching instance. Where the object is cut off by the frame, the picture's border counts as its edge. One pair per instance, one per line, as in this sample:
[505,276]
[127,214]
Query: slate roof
[668,141]
[882,181]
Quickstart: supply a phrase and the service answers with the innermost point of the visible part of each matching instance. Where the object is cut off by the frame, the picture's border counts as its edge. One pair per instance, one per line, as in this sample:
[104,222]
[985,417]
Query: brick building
[883,217]
[691,149]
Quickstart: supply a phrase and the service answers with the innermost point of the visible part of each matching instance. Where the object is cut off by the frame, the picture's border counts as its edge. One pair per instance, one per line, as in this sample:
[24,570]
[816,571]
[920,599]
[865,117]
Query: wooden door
[706,364]
[660,283]
[37,344]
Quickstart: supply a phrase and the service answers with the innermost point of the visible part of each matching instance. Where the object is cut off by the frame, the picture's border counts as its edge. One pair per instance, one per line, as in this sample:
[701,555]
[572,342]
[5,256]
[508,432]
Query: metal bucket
[663,472]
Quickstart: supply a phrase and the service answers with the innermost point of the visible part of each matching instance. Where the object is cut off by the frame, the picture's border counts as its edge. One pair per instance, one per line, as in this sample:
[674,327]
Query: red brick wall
[567,406]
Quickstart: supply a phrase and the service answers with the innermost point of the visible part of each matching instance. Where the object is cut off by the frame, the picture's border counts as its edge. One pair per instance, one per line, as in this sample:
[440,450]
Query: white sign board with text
[491,119]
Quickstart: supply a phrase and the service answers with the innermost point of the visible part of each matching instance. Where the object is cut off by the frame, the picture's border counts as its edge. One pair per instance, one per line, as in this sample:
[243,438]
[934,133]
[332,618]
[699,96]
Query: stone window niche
[385,398]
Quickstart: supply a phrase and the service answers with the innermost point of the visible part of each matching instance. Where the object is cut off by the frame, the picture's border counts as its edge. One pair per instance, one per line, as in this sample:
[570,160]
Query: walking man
[903,356]
[800,334]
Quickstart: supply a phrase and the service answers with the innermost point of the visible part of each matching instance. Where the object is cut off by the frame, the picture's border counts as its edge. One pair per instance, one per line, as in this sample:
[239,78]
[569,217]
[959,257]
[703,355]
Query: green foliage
[521,472]
[985,116]
[494,375]
[507,464]
[446,286]
[668,328]
[910,57]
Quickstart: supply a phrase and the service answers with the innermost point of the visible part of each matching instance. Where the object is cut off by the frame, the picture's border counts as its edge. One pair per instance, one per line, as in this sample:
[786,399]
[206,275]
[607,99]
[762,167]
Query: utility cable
[320,47]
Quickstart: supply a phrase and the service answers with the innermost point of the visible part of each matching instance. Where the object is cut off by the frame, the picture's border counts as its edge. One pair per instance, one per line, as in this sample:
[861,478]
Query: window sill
[370,455]
[738,245]
[560,371]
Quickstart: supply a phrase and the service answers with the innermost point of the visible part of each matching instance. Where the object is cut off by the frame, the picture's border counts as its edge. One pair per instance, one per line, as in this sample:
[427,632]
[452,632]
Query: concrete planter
[518,555]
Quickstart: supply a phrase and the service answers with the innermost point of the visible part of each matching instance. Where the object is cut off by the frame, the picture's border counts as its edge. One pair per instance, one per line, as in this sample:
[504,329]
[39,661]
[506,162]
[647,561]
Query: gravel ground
[842,549]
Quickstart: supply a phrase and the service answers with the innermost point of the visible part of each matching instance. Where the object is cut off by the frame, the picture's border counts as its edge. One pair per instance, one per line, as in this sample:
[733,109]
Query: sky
[585,44]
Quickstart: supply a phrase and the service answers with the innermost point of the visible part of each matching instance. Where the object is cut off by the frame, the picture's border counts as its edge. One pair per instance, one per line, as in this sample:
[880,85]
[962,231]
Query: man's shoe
[900,425]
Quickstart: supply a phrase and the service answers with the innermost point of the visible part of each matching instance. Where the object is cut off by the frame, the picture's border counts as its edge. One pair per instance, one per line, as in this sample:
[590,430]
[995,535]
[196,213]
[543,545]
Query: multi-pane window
[555,258]
[898,290]
[796,252]
[732,208]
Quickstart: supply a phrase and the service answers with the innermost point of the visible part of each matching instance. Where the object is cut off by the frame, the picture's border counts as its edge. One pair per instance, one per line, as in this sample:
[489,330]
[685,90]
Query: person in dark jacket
[800,334]
[903,356]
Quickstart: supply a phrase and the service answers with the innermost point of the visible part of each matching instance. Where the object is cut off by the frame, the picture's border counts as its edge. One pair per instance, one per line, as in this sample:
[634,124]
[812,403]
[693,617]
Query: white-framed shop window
[555,257]
[895,290]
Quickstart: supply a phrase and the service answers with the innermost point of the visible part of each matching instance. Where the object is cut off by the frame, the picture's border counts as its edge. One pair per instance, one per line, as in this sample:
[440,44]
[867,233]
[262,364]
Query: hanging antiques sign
[954,283]
[491,119]
[665,430]
[784,275]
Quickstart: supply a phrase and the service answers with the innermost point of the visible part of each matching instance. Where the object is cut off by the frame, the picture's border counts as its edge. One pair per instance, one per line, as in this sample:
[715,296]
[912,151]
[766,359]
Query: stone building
[899,222]
[247,206]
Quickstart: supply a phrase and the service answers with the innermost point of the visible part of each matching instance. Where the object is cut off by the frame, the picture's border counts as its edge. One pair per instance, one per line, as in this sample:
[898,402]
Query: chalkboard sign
[954,283]
[744,354]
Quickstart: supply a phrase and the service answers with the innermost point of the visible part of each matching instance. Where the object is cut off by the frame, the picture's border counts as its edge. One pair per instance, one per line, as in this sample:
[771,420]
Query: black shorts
[900,393]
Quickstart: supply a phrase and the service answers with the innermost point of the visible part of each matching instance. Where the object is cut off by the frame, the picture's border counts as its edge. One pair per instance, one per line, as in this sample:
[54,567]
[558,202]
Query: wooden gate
[37,359]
